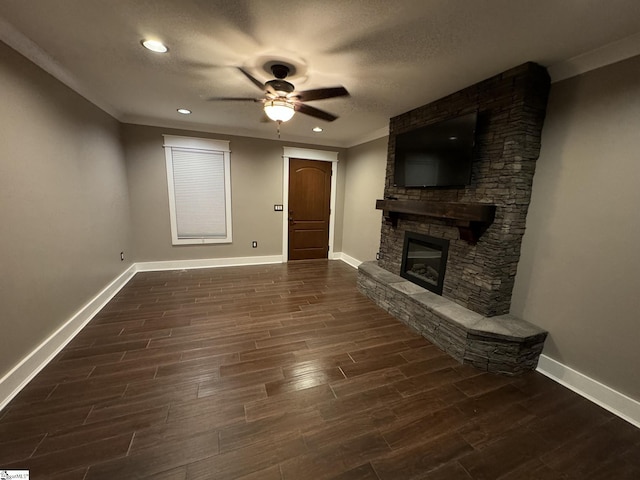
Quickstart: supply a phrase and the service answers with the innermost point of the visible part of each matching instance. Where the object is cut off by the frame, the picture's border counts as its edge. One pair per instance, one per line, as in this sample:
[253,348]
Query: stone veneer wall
[511,109]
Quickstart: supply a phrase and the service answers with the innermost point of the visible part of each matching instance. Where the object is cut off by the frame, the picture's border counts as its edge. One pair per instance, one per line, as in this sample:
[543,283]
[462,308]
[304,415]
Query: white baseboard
[206,263]
[348,259]
[617,403]
[20,375]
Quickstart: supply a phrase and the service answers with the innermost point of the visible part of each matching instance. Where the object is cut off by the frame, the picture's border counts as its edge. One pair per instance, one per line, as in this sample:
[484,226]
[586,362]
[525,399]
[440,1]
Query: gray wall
[256,185]
[365,175]
[64,206]
[579,271]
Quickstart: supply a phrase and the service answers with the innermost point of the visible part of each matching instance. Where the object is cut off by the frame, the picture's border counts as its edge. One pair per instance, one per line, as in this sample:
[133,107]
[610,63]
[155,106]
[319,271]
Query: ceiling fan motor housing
[280,71]
[281,86]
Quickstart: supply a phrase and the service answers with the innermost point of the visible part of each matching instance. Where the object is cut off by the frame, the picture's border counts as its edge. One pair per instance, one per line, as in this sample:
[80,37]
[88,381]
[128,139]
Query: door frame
[307,154]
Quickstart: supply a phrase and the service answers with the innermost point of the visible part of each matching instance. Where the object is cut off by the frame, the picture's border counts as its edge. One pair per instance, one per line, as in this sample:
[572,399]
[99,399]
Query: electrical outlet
[122,256]
[254,244]
[377,255]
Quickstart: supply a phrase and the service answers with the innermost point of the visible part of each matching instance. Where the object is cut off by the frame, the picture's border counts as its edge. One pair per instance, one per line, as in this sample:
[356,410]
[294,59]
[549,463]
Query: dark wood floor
[287,372]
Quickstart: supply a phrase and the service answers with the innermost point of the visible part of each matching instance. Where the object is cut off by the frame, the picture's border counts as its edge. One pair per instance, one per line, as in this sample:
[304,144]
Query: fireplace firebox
[424,260]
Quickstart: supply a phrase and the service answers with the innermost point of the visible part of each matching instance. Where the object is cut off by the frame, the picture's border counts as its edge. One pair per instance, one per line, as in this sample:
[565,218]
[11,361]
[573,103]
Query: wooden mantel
[472,219]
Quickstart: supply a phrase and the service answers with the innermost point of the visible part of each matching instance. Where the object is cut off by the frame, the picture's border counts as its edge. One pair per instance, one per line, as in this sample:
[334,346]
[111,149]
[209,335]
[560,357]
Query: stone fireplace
[482,224]
[480,271]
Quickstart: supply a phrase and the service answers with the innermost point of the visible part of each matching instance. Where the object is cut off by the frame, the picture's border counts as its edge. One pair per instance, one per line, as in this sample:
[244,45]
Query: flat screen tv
[436,155]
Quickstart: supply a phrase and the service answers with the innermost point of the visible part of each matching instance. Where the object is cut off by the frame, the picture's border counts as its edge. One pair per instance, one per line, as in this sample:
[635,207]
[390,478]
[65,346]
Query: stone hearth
[503,344]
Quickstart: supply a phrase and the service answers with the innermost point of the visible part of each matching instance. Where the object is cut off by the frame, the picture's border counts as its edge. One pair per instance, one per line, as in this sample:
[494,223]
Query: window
[199,184]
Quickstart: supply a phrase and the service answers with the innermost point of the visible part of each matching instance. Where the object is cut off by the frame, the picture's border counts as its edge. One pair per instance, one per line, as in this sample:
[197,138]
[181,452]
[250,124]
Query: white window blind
[198,180]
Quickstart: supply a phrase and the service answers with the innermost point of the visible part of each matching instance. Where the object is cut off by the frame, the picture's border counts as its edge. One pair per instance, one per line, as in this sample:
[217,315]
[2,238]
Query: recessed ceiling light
[453,137]
[184,111]
[317,129]
[155,46]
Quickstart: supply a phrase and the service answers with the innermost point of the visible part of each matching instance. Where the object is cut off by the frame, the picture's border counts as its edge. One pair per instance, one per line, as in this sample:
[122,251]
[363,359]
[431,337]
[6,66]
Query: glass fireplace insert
[424,260]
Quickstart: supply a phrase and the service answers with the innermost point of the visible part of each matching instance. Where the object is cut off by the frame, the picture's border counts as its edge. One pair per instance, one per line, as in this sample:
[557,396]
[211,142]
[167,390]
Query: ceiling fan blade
[233,99]
[314,112]
[322,93]
[253,79]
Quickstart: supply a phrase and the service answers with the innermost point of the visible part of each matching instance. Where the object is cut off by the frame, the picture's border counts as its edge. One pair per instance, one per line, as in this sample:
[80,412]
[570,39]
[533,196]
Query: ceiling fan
[281,100]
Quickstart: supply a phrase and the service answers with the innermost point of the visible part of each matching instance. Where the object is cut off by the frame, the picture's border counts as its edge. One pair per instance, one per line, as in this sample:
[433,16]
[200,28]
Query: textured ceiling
[392,56]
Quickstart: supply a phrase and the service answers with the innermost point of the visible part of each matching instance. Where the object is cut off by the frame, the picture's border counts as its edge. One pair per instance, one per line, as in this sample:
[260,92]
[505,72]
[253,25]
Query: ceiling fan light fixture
[279,110]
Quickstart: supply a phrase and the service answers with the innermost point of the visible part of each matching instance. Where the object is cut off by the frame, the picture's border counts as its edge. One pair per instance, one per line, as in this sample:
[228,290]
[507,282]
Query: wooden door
[309,202]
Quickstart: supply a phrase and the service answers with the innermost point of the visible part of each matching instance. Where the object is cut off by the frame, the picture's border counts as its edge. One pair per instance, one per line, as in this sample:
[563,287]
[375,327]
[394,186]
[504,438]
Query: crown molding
[27,48]
[232,131]
[375,135]
[606,55]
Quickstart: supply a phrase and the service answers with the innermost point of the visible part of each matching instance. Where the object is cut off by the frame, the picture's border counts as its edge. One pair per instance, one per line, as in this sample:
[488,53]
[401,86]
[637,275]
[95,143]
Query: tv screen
[436,155]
